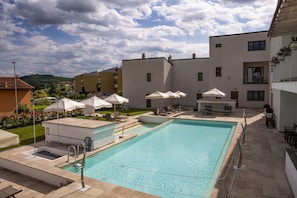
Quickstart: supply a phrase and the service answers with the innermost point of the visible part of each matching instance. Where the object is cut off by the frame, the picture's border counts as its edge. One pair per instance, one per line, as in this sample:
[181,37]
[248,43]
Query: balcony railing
[255,80]
[291,79]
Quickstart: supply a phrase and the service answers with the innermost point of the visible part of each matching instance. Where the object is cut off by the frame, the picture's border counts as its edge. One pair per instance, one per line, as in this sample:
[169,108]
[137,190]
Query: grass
[129,112]
[26,134]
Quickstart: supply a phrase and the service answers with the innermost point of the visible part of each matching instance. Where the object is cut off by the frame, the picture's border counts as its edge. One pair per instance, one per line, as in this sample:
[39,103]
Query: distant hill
[43,81]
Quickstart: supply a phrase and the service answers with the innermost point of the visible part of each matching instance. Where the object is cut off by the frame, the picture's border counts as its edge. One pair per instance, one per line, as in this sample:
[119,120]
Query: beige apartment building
[105,82]
[238,65]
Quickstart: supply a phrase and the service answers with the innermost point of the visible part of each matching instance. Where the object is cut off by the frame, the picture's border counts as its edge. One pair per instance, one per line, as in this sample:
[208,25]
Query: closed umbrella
[116,99]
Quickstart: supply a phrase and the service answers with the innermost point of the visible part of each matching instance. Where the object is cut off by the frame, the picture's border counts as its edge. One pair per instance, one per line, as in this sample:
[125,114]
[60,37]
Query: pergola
[285,19]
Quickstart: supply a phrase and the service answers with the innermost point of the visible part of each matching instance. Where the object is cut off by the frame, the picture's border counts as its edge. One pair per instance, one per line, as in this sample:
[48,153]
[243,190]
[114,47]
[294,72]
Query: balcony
[254,80]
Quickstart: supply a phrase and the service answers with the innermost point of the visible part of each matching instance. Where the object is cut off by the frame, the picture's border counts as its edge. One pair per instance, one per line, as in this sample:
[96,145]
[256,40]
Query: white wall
[288,109]
[185,78]
[135,85]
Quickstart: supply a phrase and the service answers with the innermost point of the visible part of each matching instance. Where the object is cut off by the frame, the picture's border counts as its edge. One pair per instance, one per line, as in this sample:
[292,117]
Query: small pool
[181,158]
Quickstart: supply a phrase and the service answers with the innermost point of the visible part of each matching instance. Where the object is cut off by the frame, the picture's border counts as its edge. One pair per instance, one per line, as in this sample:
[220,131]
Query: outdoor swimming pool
[181,158]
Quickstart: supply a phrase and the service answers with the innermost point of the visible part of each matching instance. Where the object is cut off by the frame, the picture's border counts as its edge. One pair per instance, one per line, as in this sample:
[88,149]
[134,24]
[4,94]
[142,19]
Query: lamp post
[34,113]
[34,130]
[15,90]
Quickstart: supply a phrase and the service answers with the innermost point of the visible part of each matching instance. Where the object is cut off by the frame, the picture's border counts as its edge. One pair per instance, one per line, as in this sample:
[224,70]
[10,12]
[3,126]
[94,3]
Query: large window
[256,45]
[218,71]
[255,95]
[200,76]
[255,75]
[148,77]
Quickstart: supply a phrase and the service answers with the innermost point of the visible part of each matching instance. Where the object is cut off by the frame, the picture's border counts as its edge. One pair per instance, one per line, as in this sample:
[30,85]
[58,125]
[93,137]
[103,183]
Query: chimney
[169,59]
[143,55]
[193,55]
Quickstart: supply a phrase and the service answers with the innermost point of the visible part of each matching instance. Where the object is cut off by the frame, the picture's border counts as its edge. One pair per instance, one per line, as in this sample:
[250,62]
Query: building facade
[283,34]
[143,76]
[105,82]
[238,65]
[8,97]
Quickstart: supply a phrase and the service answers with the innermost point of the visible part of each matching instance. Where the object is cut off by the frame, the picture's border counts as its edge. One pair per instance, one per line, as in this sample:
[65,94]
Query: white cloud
[71,37]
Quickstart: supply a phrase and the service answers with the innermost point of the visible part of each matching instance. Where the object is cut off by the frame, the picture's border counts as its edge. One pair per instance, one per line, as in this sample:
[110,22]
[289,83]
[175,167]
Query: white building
[283,33]
[238,65]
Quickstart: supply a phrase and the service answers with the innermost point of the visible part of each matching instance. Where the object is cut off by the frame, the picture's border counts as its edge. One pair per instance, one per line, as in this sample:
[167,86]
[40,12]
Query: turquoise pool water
[181,158]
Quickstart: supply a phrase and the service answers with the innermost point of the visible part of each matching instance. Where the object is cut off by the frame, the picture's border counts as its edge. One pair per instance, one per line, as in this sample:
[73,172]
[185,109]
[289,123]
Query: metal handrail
[243,134]
[240,155]
[69,147]
[78,147]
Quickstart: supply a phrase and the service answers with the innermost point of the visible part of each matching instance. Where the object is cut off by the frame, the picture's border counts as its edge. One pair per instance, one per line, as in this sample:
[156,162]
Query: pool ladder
[74,152]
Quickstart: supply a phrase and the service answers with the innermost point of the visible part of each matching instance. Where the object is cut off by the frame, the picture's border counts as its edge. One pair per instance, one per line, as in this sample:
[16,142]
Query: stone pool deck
[262,175]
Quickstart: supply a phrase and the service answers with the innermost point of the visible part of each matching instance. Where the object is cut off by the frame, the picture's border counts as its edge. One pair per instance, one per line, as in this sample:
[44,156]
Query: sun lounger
[9,191]
[108,117]
[119,117]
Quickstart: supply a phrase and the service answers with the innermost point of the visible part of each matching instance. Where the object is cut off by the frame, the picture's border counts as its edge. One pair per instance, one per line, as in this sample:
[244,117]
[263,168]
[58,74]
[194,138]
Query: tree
[39,94]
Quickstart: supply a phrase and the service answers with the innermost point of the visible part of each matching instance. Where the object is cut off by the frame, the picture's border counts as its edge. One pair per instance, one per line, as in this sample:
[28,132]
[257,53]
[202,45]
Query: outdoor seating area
[213,102]
[168,110]
[208,110]
[115,117]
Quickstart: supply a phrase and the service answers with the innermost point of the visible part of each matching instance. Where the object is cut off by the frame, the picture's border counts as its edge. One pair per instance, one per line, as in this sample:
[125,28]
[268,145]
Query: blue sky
[71,37]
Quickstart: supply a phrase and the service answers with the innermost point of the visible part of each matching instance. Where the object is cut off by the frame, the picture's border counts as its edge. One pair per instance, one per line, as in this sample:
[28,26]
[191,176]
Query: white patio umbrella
[172,95]
[180,93]
[93,103]
[64,105]
[156,95]
[214,93]
[116,99]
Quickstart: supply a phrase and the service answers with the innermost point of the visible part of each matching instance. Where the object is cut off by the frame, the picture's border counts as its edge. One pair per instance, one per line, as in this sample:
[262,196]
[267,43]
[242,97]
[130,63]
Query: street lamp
[15,90]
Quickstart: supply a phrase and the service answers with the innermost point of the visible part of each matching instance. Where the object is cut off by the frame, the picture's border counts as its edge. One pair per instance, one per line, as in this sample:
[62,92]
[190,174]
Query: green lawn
[26,134]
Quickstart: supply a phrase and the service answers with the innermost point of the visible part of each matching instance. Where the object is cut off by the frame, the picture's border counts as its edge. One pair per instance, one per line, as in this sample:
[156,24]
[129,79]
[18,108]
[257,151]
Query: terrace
[263,174]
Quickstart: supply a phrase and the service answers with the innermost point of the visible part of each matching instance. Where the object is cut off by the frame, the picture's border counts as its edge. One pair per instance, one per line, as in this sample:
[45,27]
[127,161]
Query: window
[218,45]
[148,77]
[218,71]
[256,45]
[255,75]
[255,95]
[200,76]
[199,96]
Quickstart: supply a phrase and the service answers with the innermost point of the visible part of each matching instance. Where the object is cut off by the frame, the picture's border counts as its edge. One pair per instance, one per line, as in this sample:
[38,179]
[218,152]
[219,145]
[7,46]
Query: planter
[274,60]
[293,45]
[281,57]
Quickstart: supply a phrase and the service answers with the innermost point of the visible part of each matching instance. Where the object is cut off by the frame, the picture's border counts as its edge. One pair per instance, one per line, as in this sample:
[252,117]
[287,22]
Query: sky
[71,37]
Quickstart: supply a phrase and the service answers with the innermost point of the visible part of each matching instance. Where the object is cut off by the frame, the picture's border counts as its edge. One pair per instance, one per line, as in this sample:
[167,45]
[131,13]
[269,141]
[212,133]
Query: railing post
[239,163]
[243,134]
